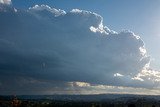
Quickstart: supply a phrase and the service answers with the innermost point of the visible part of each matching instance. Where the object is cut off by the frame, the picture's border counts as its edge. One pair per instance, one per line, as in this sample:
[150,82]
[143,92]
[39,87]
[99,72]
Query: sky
[79,47]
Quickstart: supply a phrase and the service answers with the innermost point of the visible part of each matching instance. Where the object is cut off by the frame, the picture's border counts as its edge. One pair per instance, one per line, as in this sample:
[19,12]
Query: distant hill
[99,97]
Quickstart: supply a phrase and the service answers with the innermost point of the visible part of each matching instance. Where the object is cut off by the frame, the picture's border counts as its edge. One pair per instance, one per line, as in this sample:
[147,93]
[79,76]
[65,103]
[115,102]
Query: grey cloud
[53,45]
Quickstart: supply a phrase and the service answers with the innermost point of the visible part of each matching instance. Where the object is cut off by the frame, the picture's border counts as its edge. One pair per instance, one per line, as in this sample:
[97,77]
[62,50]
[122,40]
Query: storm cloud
[54,46]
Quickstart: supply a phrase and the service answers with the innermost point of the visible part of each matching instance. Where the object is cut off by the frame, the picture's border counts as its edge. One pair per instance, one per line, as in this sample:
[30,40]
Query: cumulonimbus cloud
[50,44]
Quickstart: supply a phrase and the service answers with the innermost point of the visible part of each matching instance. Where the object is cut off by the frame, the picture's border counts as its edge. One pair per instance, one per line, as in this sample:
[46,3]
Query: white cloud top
[56,12]
[5,1]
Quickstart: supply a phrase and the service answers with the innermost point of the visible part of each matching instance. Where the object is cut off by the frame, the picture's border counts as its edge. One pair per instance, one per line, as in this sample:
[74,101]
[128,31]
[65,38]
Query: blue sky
[74,51]
[139,16]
